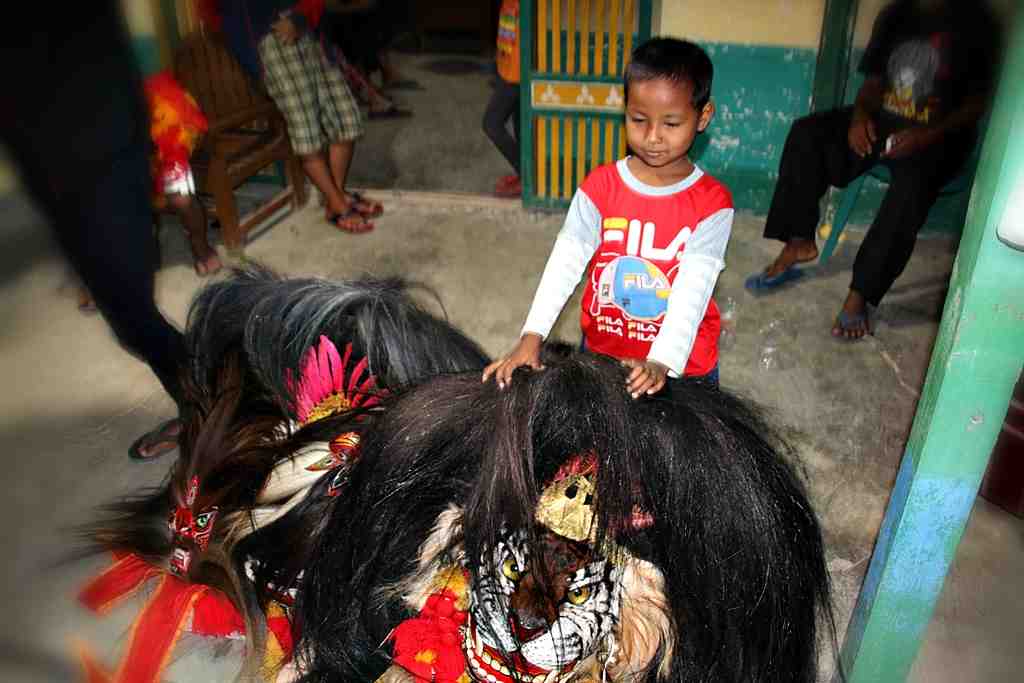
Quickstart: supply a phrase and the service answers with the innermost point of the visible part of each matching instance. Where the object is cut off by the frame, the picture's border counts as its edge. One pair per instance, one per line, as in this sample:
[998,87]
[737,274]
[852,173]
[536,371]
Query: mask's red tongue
[523,634]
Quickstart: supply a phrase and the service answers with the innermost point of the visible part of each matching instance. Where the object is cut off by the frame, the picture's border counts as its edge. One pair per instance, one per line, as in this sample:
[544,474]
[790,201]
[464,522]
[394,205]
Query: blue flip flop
[846,322]
[762,284]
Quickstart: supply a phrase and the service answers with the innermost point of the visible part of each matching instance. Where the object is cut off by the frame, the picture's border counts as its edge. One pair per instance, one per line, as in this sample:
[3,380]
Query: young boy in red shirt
[649,231]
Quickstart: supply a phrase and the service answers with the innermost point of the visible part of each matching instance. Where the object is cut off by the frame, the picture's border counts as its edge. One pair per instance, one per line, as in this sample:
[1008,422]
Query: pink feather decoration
[322,390]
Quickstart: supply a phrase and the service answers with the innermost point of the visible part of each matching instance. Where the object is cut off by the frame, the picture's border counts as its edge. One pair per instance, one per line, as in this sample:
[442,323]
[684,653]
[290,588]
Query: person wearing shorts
[275,42]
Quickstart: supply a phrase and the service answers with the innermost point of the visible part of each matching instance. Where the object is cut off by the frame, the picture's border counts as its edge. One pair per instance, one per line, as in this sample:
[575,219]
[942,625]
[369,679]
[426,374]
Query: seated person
[273,41]
[176,123]
[929,68]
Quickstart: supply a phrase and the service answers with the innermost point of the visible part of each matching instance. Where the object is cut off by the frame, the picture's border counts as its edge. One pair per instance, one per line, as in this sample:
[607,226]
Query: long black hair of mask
[246,338]
[733,534]
[277,320]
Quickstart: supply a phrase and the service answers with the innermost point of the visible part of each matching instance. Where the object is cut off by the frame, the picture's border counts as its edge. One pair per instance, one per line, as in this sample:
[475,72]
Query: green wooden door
[573,53]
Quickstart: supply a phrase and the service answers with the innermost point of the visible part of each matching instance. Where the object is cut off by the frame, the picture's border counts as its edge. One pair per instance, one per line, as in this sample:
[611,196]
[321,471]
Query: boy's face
[661,121]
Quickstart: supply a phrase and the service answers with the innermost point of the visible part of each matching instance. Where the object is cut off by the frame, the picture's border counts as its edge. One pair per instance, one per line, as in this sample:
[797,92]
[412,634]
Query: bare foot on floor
[204,257]
[852,322]
[796,251]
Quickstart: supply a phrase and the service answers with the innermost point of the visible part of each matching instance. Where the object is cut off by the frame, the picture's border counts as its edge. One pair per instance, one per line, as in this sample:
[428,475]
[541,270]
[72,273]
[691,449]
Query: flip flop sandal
[345,222]
[847,323]
[391,112]
[376,210]
[156,443]
[762,284]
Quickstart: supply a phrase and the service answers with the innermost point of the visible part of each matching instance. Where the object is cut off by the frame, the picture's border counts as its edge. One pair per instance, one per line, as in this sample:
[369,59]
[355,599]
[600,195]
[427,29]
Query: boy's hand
[526,352]
[285,30]
[647,377]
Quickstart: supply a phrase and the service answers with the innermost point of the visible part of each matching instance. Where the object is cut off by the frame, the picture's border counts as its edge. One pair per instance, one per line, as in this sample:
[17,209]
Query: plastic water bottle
[727,311]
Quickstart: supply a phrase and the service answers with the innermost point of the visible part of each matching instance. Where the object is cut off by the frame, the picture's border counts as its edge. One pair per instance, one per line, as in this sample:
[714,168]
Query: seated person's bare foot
[796,251]
[204,257]
[852,321]
[193,217]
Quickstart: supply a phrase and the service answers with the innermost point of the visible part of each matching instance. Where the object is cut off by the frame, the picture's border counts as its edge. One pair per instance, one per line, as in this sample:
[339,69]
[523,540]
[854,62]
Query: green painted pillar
[526,146]
[975,363]
[833,55]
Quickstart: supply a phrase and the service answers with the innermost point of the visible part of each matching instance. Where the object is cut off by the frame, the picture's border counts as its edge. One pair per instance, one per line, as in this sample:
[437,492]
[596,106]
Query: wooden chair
[247,133]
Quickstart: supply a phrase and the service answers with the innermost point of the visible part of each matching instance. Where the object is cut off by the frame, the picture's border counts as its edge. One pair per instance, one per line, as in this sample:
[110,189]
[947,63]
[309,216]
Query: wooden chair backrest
[206,68]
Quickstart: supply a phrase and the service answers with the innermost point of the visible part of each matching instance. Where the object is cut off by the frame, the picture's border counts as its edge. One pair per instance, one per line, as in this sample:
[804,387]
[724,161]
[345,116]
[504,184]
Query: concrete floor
[413,153]
[75,400]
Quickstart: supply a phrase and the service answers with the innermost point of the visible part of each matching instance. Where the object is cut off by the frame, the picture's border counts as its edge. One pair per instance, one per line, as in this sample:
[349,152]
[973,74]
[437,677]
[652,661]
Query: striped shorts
[311,93]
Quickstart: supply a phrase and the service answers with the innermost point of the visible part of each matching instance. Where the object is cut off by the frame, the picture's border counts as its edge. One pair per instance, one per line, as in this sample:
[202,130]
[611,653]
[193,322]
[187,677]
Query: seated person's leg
[193,218]
[886,248]
[816,155]
[290,76]
[889,243]
[342,125]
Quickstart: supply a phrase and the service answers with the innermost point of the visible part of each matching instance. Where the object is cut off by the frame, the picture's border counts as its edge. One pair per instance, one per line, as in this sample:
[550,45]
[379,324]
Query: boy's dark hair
[675,60]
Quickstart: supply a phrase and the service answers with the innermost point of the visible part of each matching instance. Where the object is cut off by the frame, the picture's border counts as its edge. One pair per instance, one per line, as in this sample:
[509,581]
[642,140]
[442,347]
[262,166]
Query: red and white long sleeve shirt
[652,256]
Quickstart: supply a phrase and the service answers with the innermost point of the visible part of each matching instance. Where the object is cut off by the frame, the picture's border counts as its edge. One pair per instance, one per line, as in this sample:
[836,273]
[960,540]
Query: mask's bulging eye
[511,569]
[578,596]
[203,519]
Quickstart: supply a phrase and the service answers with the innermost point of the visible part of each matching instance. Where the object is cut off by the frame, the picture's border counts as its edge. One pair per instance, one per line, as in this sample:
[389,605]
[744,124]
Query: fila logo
[639,239]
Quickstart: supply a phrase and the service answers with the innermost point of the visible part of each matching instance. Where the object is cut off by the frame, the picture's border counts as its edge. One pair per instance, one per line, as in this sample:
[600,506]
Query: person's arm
[577,241]
[576,244]
[702,261]
[981,55]
[912,140]
[862,135]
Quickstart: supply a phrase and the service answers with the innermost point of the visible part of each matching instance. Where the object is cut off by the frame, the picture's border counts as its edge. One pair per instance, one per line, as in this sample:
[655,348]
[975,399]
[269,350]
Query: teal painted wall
[759,91]
[147,53]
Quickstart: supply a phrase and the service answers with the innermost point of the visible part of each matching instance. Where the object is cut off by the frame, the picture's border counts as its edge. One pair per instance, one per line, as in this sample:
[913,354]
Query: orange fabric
[156,630]
[215,616]
[161,621]
[116,582]
[279,641]
[94,672]
[508,41]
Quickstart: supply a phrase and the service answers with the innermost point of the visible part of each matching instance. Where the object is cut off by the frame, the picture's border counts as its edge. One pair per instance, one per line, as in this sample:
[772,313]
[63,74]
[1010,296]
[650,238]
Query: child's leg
[340,155]
[342,124]
[193,218]
[291,74]
[504,103]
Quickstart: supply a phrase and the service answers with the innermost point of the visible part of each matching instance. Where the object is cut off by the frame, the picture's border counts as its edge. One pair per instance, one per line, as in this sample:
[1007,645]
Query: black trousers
[817,155]
[76,125]
[503,105]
